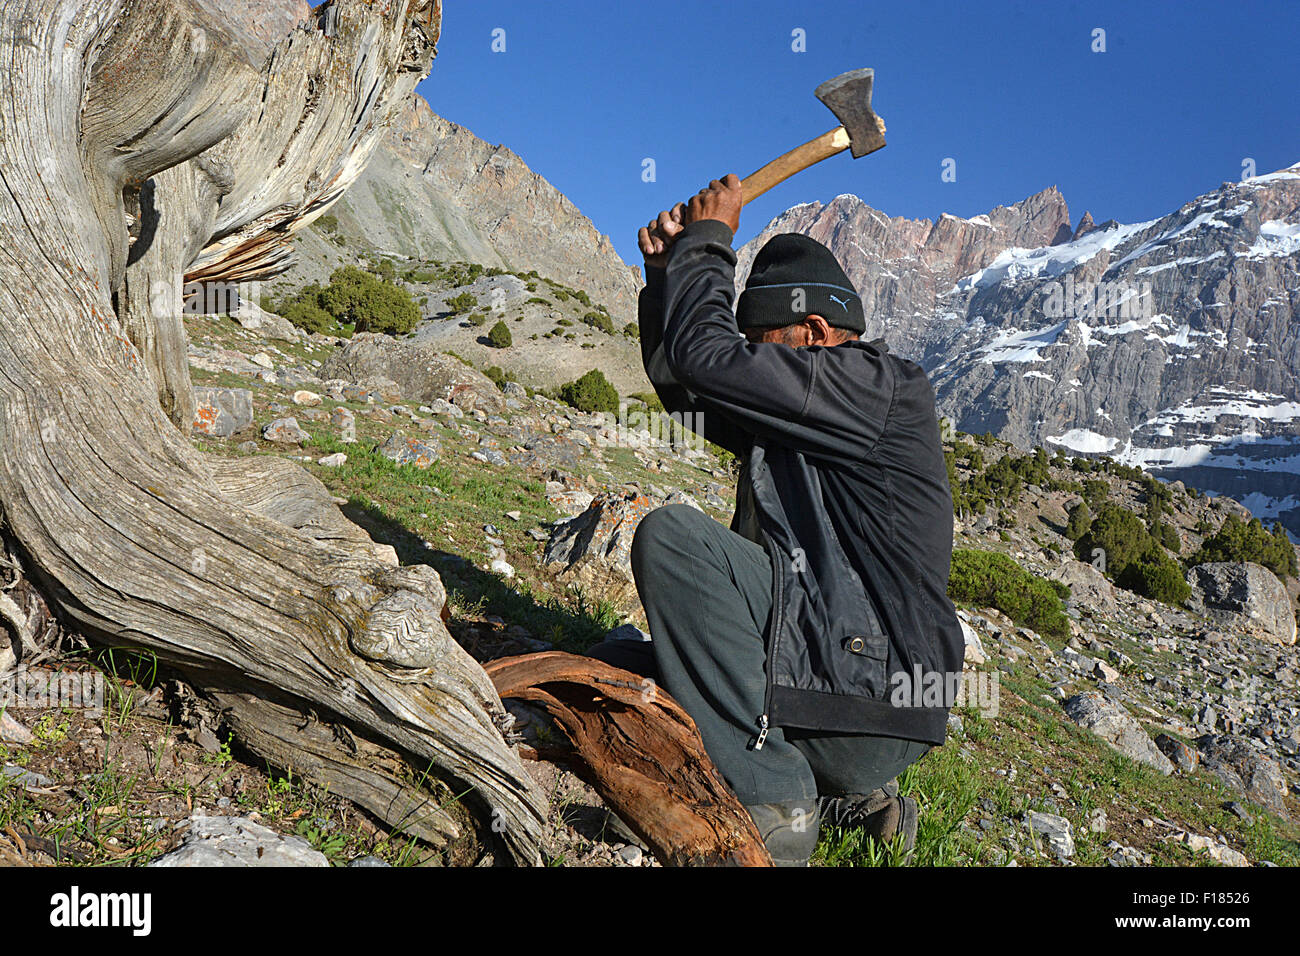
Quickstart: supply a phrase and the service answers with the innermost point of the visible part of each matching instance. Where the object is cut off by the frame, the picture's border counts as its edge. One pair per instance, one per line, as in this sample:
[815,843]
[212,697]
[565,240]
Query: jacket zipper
[775,628]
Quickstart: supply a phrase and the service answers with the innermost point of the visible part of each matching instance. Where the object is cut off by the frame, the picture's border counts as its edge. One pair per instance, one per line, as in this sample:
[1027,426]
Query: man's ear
[820,331]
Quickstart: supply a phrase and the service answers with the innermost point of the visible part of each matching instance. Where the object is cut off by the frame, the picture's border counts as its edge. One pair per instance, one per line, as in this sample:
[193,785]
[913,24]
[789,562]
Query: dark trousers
[707,593]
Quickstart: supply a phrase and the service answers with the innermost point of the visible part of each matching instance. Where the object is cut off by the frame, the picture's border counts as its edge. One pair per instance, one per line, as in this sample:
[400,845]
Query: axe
[848,96]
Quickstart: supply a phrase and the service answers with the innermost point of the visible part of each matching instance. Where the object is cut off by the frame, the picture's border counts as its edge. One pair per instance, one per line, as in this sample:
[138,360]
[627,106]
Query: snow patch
[1014,345]
[1276,238]
[1014,264]
[1085,441]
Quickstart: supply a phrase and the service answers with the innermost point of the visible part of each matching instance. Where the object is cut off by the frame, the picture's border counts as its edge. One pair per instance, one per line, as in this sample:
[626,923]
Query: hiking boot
[789,830]
[881,815]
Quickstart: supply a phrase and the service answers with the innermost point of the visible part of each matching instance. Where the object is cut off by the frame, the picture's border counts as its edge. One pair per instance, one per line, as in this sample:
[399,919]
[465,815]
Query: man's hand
[657,237]
[720,200]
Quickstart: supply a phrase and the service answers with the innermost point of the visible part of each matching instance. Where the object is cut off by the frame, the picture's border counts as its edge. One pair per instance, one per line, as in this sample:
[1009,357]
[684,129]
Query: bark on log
[641,752]
[133,536]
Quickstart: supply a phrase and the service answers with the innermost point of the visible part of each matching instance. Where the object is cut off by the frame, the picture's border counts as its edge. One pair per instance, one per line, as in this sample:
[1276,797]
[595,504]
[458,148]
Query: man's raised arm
[831,402]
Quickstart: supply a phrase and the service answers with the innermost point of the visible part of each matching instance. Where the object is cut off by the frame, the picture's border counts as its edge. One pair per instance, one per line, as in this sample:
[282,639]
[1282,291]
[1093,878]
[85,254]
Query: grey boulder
[1115,725]
[237,841]
[1246,594]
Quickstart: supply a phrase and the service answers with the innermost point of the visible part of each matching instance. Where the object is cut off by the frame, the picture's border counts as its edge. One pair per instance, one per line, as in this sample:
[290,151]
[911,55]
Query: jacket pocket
[865,661]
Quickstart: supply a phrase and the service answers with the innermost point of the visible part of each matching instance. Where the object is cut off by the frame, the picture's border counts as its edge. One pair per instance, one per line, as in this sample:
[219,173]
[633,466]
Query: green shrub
[632,330]
[1238,540]
[992,579]
[1080,518]
[1095,492]
[499,336]
[371,304]
[462,303]
[591,393]
[478,319]
[303,309]
[1167,535]
[306,314]
[1157,576]
[498,376]
[1119,533]
[327,223]
[600,321]
[649,399]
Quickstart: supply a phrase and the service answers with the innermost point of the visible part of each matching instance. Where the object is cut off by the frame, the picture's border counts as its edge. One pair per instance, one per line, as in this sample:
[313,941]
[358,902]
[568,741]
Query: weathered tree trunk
[154,107]
[643,754]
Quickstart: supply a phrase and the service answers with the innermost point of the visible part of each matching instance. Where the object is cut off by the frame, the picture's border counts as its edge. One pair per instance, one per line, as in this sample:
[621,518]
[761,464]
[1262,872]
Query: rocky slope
[1173,344]
[434,190]
[1142,734]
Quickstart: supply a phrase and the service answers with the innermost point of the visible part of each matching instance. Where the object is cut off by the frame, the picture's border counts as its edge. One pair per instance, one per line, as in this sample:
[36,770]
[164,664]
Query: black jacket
[843,483]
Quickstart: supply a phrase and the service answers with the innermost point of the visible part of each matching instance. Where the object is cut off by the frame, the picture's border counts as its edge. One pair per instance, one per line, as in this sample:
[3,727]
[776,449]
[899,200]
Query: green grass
[967,780]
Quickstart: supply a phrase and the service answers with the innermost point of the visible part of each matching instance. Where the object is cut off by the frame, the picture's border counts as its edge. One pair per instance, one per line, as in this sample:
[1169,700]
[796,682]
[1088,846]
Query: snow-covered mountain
[1173,344]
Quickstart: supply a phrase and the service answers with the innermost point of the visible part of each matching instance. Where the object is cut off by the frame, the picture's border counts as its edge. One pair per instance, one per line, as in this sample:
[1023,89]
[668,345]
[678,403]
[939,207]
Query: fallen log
[641,752]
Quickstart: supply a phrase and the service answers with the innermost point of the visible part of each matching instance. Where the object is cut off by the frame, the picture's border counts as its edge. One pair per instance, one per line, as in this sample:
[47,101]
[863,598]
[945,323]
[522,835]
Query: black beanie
[792,278]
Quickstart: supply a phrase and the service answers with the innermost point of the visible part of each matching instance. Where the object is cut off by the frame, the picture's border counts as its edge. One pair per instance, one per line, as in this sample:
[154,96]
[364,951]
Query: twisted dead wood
[154,113]
[641,752]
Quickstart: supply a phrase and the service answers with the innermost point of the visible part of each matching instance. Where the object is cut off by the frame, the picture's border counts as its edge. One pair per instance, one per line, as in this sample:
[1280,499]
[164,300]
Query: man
[787,637]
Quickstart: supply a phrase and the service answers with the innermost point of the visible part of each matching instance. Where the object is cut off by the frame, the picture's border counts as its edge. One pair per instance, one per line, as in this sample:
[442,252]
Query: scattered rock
[631,855]
[974,653]
[595,548]
[12,731]
[570,502]
[221,412]
[1057,831]
[1240,766]
[1183,757]
[304,397]
[237,841]
[627,632]
[1217,851]
[1246,594]
[285,431]
[1088,586]
[1103,671]
[336,460]
[410,451]
[414,372]
[252,316]
[1110,721]
[345,420]
[28,779]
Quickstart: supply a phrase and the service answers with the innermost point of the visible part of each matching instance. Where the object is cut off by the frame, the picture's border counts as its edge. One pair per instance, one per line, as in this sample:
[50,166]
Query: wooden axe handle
[796,161]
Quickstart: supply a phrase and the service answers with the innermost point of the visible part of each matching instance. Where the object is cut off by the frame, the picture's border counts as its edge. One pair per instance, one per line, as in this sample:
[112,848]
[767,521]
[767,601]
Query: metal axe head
[848,96]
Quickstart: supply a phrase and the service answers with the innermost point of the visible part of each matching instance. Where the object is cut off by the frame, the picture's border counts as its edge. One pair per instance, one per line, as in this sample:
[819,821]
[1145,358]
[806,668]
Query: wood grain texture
[641,752]
[795,161]
[132,535]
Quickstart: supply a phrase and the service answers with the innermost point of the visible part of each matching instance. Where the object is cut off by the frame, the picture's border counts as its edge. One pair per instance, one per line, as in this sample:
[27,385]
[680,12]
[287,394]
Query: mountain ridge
[1171,343]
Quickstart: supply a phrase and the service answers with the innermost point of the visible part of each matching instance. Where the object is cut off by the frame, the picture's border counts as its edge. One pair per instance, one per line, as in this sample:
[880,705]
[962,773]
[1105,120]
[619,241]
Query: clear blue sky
[1012,91]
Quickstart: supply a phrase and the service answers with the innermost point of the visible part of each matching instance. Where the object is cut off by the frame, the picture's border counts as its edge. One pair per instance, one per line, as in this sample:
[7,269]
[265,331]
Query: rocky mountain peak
[1173,343]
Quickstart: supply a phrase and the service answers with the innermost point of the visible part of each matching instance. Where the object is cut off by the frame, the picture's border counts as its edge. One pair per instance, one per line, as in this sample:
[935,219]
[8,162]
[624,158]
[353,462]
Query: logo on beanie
[840,302]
